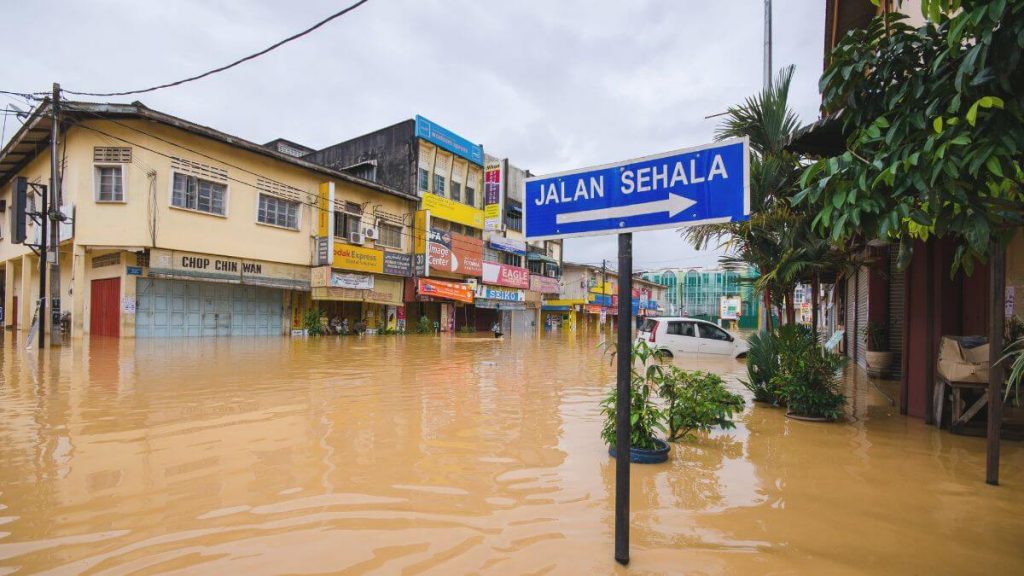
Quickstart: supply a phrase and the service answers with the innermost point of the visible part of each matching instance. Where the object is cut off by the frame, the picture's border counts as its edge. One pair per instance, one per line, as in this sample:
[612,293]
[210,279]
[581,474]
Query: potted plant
[762,364]
[696,401]
[879,358]
[807,378]
[645,416]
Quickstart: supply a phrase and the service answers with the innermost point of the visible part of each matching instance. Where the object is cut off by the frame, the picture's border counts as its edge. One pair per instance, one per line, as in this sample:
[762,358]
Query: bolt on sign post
[700,185]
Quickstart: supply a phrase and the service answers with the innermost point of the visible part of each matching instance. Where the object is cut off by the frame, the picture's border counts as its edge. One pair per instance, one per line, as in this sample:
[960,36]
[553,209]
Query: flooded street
[449,455]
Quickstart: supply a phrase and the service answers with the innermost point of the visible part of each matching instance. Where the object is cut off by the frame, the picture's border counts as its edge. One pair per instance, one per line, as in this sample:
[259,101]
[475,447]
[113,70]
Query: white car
[676,335]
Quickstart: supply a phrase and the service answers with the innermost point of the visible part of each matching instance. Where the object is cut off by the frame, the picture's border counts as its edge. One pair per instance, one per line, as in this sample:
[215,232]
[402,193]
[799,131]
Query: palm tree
[762,241]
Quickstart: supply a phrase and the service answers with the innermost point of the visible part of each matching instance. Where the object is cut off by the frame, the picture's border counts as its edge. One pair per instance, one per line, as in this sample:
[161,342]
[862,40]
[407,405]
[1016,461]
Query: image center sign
[700,185]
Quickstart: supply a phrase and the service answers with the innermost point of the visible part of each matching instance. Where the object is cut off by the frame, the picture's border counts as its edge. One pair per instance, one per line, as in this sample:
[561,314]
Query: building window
[389,235]
[512,259]
[194,193]
[456,191]
[470,196]
[423,182]
[536,266]
[438,184]
[347,222]
[110,184]
[278,212]
[514,215]
[455,228]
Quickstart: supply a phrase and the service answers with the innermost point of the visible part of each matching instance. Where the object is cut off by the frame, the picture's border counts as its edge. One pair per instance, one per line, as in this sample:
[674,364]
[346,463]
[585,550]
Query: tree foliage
[935,124]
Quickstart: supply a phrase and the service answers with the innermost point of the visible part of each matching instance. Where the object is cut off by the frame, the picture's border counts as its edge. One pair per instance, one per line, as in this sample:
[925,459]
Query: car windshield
[648,325]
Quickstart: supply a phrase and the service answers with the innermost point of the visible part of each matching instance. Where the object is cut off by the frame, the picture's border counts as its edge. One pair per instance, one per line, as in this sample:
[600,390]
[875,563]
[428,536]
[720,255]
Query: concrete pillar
[9,311]
[29,290]
[79,292]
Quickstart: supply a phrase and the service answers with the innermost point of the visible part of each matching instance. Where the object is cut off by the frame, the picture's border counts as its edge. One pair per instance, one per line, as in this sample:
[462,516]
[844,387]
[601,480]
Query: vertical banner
[421,230]
[325,221]
[494,194]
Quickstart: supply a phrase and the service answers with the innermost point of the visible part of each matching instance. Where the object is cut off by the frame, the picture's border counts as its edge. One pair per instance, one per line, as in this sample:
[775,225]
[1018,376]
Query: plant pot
[642,456]
[802,418]
[878,362]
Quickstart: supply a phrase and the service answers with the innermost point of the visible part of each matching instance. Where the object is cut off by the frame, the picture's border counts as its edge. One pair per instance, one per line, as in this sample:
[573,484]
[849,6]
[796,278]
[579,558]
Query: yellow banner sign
[452,211]
[349,257]
[420,226]
[324,210]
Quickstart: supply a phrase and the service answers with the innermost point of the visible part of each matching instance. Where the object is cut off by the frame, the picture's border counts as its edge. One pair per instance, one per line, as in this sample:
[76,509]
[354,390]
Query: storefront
[506,306]
[362,290]
[442,302]
[187,294]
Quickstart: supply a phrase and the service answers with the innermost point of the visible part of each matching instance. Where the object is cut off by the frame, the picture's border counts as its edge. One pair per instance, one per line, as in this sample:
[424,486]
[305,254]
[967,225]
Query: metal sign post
[682,188]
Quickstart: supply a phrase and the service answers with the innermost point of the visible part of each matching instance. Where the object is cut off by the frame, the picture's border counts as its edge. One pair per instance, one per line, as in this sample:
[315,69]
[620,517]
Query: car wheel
[664,353]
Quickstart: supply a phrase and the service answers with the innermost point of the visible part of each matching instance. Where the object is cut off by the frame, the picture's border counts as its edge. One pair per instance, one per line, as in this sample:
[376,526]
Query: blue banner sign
[699,185]
[449,140]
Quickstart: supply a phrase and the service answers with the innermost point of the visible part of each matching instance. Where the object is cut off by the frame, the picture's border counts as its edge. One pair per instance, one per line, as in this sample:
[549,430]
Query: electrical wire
[227,66]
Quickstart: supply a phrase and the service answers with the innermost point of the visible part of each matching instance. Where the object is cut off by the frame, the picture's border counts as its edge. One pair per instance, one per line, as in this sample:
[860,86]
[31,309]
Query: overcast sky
[552,85]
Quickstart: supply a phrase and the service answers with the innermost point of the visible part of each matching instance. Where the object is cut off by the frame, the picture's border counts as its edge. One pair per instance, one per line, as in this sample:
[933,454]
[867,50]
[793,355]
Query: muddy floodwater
[455,455]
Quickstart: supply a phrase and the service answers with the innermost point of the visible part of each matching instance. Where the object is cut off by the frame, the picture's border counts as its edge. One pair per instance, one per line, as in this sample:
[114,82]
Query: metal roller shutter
[184,309]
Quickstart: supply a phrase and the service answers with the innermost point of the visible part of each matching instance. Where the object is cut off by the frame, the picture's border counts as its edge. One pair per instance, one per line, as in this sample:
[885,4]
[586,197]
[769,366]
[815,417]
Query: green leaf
[993,166]
[937,124]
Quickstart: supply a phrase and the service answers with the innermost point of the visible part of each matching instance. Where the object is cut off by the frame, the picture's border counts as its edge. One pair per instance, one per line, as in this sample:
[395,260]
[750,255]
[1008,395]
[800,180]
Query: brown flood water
[443,455]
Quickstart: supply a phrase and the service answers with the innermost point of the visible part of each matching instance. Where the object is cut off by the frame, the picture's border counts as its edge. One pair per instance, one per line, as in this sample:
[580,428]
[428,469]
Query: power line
[231,65]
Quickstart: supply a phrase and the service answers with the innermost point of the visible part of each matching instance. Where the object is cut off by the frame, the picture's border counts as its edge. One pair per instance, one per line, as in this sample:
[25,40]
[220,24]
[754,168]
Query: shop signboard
[729,307]
[544,285]
[503,294]
[358,258]
[397,263]
[505,275]
[456,253]
[499,305]
[510,245]
[448,140]
[452,211]
[209,267]
[384,291]
[494,195]
[421,231]
[325,223]
[446,290]
[323,276]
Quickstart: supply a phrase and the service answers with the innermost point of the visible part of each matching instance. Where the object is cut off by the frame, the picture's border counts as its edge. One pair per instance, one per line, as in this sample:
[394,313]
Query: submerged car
[676,335]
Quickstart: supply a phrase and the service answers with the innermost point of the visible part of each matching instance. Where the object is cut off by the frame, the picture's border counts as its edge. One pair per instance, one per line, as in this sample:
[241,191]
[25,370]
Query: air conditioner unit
[370,234]
[355,238]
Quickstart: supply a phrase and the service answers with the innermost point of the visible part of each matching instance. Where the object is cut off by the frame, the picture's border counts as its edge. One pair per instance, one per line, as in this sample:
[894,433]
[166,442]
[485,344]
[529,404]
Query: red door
[105,308]
[14,313]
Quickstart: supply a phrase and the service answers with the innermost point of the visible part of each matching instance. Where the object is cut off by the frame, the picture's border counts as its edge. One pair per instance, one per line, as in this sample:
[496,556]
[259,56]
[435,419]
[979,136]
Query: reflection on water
[453,455]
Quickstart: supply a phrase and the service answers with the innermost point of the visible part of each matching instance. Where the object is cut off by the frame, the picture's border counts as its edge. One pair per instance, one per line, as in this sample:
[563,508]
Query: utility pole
[55,216]
[767,42]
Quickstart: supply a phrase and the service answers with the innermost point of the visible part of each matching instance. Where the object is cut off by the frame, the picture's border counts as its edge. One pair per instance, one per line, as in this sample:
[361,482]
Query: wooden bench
[958,416]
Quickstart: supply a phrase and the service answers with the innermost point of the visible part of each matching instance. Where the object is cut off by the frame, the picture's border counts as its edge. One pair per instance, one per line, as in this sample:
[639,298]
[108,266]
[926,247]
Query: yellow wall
[146,218]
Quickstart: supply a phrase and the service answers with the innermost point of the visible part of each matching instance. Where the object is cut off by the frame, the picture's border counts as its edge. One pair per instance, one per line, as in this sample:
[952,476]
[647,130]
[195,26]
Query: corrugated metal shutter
[862,315]
[896,280]
[175,308]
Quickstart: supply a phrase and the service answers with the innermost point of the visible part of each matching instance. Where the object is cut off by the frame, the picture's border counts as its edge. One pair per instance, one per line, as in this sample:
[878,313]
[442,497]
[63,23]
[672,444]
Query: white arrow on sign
[674,204]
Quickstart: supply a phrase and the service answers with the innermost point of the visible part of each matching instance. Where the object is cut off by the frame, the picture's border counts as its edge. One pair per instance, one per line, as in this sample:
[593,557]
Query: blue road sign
[692,186]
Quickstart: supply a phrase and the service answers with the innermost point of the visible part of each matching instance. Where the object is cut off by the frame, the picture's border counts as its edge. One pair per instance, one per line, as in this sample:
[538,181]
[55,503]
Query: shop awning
[556,308]
[534,257]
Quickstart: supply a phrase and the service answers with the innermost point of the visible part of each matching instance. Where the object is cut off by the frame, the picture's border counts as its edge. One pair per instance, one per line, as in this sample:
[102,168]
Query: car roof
[686,318]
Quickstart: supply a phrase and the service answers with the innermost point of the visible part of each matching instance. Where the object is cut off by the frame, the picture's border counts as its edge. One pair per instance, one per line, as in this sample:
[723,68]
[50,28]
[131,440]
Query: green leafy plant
[876,335]
[696,401]
[466,329]
[762,364]
[311,322]
[424,325]
[933,118]
[807,377]
[1013,355]
[645,416]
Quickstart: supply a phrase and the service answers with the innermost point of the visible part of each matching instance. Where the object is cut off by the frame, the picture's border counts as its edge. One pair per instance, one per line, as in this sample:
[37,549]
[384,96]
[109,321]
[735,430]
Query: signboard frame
[604,231]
